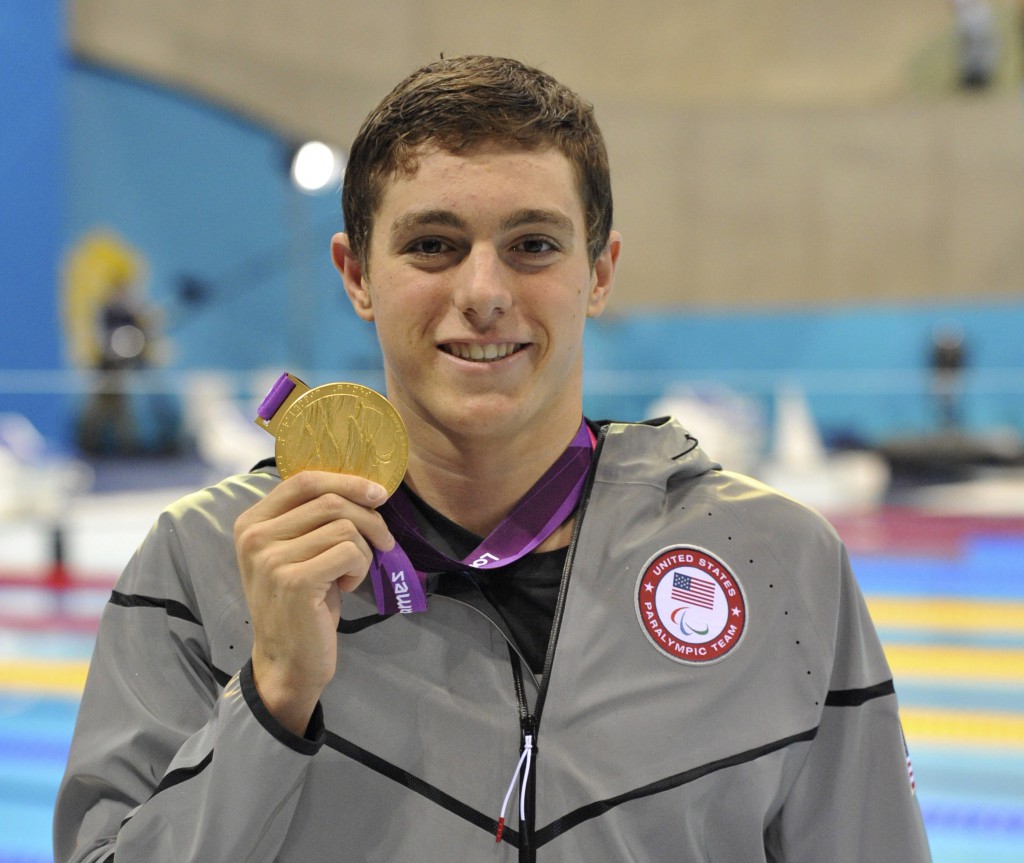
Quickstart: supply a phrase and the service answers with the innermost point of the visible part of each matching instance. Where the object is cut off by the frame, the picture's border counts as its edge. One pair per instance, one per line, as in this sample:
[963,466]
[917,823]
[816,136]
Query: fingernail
[375,491]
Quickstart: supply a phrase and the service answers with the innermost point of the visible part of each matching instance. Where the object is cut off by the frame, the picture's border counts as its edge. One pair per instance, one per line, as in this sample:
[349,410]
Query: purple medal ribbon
[273,400]
[399,575]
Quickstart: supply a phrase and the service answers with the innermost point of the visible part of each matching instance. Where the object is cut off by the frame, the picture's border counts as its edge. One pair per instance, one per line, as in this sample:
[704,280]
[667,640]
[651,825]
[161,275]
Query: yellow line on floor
[958,615]
[965,664]
[923,725]
[50,676]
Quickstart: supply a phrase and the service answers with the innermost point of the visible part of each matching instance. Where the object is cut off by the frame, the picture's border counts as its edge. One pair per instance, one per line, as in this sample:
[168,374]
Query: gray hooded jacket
[714,691]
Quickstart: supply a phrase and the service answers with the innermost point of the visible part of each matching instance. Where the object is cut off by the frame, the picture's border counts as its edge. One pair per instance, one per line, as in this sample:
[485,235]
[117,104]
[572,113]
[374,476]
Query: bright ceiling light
[316,166]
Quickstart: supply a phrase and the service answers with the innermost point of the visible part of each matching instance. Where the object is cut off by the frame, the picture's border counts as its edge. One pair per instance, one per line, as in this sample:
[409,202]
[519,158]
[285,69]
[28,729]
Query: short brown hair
[465,102]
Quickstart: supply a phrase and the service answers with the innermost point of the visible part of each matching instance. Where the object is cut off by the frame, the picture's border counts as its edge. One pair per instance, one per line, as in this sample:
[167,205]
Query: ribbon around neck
[399,575]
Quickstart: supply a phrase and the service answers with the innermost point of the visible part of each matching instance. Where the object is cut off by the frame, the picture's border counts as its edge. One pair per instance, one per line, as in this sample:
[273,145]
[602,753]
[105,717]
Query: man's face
[478,280]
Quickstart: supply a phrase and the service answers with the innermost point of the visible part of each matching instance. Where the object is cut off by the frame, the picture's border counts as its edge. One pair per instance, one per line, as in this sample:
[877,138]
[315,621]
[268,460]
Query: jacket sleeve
[171,759]
[854,798]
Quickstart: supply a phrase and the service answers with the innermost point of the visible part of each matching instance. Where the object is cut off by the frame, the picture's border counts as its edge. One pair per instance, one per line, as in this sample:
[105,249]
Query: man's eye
[428,246]
[536,245]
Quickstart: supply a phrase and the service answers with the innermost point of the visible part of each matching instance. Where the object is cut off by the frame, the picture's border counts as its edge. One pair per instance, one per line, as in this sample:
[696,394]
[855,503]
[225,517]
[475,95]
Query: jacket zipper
[529,722]
[563,589]
[521,776]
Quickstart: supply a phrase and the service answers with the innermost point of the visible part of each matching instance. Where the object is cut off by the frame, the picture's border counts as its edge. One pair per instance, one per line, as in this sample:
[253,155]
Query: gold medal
[341,427]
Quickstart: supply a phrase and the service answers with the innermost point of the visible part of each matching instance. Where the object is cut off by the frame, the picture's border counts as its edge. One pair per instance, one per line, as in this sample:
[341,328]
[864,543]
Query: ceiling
[317,66]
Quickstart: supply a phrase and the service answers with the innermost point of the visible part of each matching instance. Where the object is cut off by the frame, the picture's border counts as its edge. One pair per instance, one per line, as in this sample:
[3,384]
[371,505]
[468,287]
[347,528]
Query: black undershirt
[523,593]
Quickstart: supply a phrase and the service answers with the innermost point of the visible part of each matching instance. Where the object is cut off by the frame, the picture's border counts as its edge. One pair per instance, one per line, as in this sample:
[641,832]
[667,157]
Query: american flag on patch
[693,591]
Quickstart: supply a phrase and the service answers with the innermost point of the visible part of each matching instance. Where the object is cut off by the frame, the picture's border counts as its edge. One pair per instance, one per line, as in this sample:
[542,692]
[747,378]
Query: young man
[627,653]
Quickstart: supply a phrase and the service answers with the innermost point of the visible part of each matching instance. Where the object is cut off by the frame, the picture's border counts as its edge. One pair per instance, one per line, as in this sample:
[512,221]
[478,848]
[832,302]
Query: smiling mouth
[482,353]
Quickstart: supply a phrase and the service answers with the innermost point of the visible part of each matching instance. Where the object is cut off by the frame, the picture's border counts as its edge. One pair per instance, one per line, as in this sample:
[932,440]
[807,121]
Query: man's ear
[356,287]
[602,278]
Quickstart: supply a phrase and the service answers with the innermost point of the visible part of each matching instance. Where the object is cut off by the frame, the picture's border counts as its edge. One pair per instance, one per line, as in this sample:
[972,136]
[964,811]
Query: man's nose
[483,290]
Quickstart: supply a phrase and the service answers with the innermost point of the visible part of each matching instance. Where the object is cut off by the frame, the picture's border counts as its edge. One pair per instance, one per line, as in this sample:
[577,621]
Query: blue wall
[203,194]
[865,370]
[32,73]
[236,259]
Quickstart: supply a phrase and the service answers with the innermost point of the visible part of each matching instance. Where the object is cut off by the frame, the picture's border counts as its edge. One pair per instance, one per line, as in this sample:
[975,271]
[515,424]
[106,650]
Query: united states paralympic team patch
[690,605]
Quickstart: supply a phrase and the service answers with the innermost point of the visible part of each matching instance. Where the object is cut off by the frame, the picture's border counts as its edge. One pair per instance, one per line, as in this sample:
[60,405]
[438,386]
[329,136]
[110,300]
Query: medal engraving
[341,427]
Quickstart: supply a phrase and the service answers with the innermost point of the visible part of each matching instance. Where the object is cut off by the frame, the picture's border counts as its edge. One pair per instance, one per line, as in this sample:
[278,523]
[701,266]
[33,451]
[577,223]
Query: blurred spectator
[948,357]
[977,43]
[112,329]
[108,424]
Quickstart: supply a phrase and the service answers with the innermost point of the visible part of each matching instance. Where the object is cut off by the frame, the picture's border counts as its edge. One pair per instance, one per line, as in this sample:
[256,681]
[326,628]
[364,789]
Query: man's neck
[477,482]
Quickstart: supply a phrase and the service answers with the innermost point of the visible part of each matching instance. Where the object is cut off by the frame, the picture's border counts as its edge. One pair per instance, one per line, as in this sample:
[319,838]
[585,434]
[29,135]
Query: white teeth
[484,353]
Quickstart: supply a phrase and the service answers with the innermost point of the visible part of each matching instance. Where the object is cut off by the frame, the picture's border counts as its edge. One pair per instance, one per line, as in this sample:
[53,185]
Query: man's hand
[299,549]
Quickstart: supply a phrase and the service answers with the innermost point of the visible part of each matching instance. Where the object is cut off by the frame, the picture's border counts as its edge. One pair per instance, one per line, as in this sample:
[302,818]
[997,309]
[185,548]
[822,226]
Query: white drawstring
[523,777]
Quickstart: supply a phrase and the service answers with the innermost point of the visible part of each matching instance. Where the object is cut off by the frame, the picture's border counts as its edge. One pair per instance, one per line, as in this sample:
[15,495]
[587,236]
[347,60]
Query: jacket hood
[651,452]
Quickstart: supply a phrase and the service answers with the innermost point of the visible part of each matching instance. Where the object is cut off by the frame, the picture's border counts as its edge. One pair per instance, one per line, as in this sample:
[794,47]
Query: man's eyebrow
[554,218]
[423,218]
[420,219]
